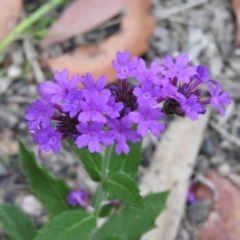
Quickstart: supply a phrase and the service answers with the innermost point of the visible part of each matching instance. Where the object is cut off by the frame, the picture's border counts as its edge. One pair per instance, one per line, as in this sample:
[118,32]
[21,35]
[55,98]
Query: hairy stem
[101,195]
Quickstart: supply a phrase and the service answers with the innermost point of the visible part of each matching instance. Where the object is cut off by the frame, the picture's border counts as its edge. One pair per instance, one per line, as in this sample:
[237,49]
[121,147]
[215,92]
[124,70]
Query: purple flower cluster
[97,115]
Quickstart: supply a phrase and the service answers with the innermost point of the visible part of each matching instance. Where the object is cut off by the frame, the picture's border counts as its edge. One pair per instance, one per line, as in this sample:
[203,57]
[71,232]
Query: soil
[205,32]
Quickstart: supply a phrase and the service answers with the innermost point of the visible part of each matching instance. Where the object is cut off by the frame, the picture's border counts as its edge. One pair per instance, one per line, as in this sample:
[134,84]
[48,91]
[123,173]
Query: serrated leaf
[51,192]
[123,188]
[71,225]
[16,224]
[127,163]
[91,161]
[133,222]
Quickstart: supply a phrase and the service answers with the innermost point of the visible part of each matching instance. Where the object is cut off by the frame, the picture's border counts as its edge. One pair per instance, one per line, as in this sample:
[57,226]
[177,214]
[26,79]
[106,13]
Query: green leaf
[117,237]
[91,161]
[71,225]
[51,192]
[16,224]
[127,163]
[124,188]
[133,222]
[105,210]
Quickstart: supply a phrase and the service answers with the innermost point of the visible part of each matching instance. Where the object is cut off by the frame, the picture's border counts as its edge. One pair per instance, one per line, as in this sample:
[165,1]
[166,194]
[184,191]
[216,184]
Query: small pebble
[224,170]
[3,170]
[31,205]
[198,211]
[10,198]
[14,71]
[226,145]
[217,160]
[208,148]
[17,57]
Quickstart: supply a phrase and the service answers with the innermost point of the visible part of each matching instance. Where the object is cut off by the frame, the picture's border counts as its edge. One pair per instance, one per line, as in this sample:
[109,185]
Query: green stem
[101,195]
[27,22]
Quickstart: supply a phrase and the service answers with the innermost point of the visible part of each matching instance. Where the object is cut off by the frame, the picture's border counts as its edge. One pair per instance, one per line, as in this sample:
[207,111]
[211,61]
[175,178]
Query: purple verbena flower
[92,110]
[191,107]
[114,108]
[191,196]
[166,89]
[92,135]
[72,102]
[96,88]
[178,69]
[124,65]
[147,118]
[143,73]
[121,130]
[146,93]
[218,98]
[59,90]
[202,73]
[47,139]
[78,197]
[39,114]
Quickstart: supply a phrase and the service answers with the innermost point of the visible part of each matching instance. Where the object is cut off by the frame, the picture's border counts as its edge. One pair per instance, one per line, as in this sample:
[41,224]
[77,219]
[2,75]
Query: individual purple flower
[92,110]
[59,90]
[96,88]
[191,196]
[178,69]
[39,114]
[121,133]
[202,73]
[146,93]
[218,98]
[124,65]
[47,139]
[167,89]
[92,135]
[148,74]
[78,197]
[147,118]
[72,102]
[113,108]
[191,107]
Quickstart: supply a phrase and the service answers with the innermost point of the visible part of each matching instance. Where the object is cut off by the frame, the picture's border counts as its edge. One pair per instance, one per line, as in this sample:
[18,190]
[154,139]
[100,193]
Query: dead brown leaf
[81,16]
[10,11]
[236,10]
[136,28]
[224,218]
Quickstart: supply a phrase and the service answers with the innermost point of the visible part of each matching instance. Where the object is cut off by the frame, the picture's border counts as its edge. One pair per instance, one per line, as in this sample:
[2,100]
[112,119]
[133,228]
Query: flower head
[98,115]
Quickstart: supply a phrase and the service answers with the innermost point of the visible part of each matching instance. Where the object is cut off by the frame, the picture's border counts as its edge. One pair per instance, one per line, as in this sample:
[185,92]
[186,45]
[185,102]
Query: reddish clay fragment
[236,10]
[224,219]
[136,29]
[10,11]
